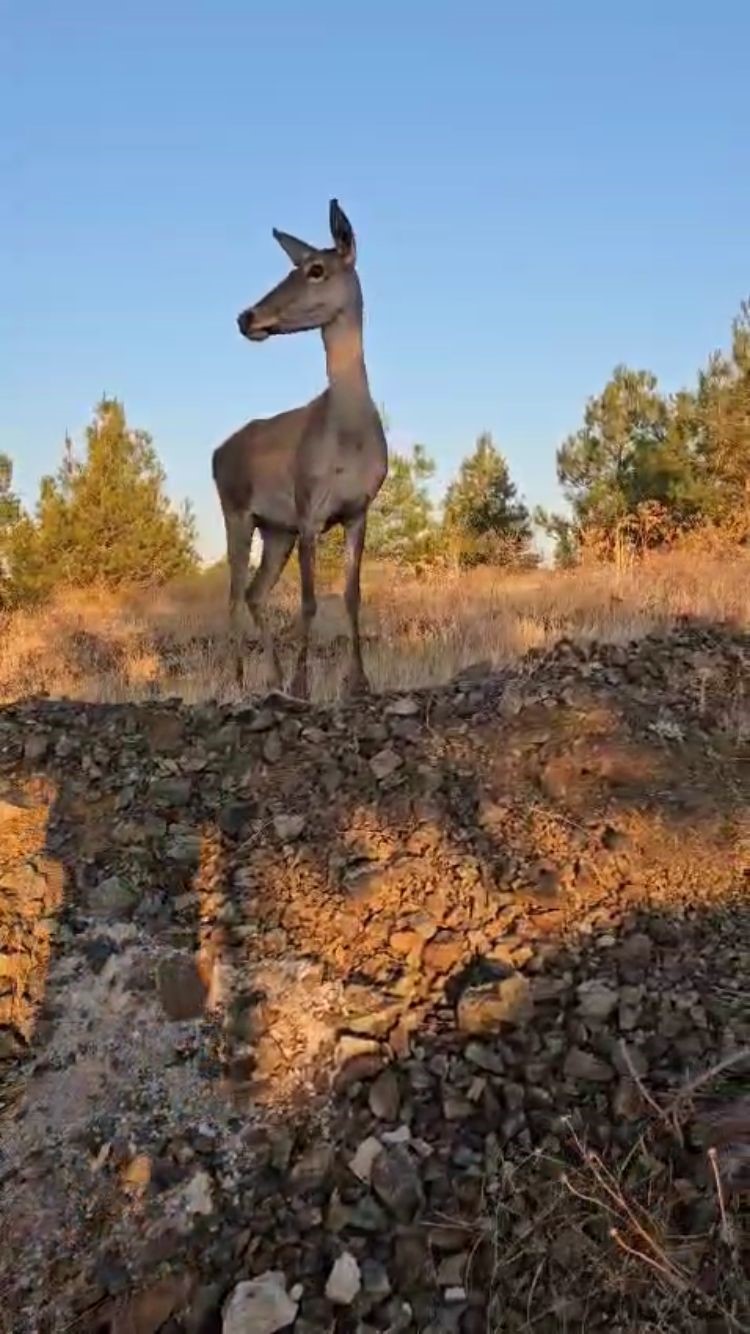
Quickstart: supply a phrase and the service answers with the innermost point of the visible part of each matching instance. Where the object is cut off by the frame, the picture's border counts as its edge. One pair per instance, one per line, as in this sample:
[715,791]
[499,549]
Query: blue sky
[539,190]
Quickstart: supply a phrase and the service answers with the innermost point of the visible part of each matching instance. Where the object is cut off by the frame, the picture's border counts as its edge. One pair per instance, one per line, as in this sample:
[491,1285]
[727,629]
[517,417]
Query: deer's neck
[345,361]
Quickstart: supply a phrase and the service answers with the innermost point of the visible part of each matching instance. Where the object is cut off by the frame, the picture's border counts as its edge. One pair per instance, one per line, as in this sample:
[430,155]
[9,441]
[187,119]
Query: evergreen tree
[10,517]
[104,518]
[483,516]
[721,427]
[401,524]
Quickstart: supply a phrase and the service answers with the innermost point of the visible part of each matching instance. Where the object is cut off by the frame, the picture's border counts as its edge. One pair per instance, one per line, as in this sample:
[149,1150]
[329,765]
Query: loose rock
[484,1009]
[259,1306]
[396,1182]
[385,1096]
[344,1281]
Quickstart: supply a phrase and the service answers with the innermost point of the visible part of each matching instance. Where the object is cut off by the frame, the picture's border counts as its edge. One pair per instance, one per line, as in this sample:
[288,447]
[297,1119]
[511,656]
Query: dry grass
[604,1236]
[418,631]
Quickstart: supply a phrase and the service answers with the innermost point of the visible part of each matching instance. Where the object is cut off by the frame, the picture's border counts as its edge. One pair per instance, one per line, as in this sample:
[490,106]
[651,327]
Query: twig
[623,1210]
[727,1231]
[688,1090]
[647,1097]
[666,1269]
[601,1174]
[532,1289]
[587,1199]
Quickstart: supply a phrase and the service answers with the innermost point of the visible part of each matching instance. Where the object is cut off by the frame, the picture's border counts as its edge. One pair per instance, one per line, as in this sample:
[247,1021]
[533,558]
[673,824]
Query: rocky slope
[424,1014]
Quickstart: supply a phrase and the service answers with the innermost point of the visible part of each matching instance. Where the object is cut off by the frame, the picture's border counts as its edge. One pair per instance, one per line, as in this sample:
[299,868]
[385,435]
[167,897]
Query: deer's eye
[316,272]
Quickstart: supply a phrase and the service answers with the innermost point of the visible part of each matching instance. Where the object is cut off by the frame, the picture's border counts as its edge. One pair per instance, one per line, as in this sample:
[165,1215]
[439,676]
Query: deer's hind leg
[277,548]
[306,552]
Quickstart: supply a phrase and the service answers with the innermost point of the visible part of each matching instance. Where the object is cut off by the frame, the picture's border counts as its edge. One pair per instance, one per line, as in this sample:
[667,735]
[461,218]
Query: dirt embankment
[424,1014]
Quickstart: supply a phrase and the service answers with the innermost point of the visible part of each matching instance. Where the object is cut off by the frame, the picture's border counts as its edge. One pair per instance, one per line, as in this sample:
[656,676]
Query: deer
[294,476]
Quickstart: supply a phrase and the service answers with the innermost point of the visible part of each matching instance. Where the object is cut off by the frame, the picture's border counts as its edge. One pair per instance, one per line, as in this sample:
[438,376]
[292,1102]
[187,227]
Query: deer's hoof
[356,685]
[274,675]
[300,687]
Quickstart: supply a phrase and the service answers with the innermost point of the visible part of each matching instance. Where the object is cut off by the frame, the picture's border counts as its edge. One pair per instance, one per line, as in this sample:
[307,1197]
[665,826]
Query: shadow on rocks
[356,982]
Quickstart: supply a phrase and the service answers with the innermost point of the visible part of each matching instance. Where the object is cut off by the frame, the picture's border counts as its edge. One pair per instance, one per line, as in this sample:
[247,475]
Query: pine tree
[721,423]
[484,520]
[10,517]
[401,524]
[104,518]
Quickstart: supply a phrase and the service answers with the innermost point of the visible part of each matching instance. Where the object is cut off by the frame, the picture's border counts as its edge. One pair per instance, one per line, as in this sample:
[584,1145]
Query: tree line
[643,469]
[646,468]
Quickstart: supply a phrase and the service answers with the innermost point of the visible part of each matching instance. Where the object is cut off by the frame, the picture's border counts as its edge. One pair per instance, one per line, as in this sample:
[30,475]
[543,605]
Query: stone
[10,1046]
[288,827]
[367,1216]
[182,990]
[259,1306]
[204,1313]
[596,1000]
[36,747]
[483,1009]
[357,1058]
[635,954]
[443,953]
[196,1196]
[260,720]
[455,1106]
[344,1281]
[396,1182]
[146,1311]
[412,1270]
[375,1280]
[385,763]
[235,816]
[135,1175]
[312,1170]
[385,1096]
[627,1103]
[484,1058]
[170,792]
[112,898]
[184,846]
[401,1135]
[272,748]
[361,1163]
[582,1065]
[404,707]
[452,1270]
[406,942]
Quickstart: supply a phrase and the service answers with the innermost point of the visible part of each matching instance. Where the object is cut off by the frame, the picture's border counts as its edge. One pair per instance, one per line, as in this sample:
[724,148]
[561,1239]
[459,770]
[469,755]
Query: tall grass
[100,646]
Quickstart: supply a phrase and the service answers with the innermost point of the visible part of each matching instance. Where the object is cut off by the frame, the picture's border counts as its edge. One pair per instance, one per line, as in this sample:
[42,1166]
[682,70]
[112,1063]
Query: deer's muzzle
[251,327]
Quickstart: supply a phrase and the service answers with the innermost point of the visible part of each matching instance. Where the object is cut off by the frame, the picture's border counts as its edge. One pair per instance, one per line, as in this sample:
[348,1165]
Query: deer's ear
[298,251]
[342,233]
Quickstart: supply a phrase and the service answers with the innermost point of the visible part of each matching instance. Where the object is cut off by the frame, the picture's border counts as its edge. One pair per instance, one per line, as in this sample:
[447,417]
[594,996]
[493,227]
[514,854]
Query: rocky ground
[430,1013]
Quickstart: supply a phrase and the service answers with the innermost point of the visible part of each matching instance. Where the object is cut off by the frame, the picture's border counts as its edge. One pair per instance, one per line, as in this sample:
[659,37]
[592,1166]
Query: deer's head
[322,285]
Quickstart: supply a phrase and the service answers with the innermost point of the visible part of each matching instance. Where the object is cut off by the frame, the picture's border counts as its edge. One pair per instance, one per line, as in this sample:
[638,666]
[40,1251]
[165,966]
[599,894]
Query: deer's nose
[245,321]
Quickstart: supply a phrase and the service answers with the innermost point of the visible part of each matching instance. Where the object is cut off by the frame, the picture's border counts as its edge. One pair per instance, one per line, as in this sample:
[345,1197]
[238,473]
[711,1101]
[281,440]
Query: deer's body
[295,475]
[270,468]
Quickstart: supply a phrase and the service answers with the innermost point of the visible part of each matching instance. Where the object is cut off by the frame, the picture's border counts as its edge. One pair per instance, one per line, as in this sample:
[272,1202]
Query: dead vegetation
[418,632]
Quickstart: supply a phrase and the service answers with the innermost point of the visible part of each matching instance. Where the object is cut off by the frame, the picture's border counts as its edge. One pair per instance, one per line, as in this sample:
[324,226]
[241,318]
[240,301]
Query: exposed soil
[428,1012]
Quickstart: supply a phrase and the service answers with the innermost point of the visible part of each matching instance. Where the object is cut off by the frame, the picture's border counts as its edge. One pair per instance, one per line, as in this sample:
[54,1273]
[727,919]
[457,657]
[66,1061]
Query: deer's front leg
[277,548]
[356,682]
[306,555]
